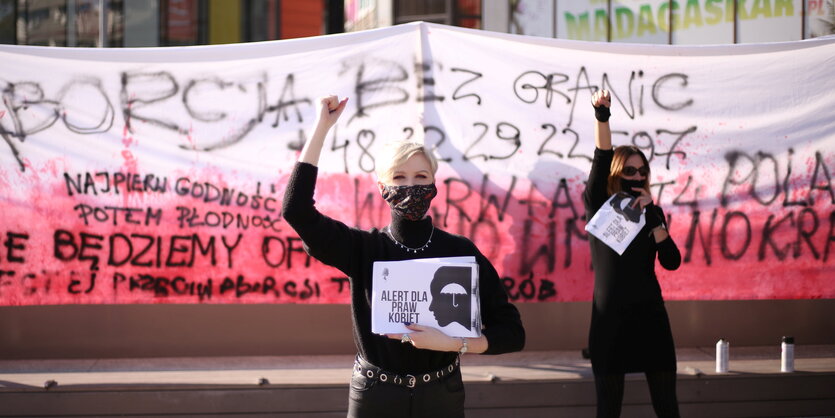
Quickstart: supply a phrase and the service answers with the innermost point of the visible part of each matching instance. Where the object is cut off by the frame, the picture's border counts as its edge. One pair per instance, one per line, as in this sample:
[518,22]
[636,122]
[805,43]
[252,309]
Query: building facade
[151,23]
[675,22]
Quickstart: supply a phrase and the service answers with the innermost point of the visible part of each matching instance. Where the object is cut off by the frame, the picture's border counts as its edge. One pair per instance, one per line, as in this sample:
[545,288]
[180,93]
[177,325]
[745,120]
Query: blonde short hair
[396,153]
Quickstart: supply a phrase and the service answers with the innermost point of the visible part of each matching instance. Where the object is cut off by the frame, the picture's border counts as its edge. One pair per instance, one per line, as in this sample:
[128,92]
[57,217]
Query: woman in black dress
[398,375]
[630,331]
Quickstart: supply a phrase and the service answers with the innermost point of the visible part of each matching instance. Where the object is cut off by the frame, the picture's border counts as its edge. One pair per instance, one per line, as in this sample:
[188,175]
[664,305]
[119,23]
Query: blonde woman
[398,375]
[630,330]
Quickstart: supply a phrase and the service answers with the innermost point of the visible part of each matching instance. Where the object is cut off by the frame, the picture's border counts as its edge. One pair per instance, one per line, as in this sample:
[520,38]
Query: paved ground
[335,369]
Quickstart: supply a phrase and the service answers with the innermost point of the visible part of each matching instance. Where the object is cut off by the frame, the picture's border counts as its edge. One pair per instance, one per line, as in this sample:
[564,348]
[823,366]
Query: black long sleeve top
[627,279]
[354,251]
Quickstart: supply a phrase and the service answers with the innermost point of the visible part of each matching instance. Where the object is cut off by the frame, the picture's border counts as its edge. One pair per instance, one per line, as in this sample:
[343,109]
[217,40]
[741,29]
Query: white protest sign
[617,223]
[441,293]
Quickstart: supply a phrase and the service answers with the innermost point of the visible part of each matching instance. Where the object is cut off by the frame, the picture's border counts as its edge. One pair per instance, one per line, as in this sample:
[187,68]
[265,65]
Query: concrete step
[526,384]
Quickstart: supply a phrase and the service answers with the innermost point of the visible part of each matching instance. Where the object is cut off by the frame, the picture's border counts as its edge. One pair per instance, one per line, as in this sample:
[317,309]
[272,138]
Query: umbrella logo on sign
[454,289]
[451,290]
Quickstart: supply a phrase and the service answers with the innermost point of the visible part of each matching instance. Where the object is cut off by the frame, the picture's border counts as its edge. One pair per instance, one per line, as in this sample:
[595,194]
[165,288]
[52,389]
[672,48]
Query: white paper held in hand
[617,223]
[438,292]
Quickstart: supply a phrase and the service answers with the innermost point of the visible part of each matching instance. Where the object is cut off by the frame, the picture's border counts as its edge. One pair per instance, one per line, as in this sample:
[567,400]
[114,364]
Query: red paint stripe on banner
[204,237]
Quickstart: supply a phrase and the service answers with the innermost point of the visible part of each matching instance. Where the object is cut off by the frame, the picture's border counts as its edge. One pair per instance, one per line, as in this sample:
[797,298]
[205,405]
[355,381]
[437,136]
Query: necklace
[410,249]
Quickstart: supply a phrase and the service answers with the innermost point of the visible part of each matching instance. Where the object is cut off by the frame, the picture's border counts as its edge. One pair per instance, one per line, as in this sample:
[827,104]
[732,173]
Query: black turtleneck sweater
[354,252]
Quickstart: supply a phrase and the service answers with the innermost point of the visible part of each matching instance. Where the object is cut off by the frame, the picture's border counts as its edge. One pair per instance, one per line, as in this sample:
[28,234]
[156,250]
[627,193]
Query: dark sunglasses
[630,171]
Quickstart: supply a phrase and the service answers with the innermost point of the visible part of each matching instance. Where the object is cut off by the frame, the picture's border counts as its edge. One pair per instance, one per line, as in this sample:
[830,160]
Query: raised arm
[328,240]
[329,110]
[601,100]
[595,193]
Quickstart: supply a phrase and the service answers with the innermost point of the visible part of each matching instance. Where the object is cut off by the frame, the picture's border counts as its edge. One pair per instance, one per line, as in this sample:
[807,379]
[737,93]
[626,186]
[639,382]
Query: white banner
[156,175]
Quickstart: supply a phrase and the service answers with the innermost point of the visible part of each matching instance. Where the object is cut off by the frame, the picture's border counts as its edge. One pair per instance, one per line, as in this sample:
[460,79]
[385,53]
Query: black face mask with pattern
[627,185]
[410,202]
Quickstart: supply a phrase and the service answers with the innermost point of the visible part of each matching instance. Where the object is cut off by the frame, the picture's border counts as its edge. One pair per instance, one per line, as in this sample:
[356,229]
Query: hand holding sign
[643,199]
[428,338]
[617,222]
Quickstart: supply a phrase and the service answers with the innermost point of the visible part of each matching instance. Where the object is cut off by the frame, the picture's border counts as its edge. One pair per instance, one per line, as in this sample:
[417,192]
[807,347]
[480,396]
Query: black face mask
[410,202]
[627,185]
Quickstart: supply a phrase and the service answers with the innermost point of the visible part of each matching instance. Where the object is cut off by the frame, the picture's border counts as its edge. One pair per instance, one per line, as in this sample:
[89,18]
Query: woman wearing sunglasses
[630,331]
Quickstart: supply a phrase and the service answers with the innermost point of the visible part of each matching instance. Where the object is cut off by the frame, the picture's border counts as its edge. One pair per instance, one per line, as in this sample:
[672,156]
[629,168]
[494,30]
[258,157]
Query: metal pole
[102,24]
[803,19]
[72,27]
[554,19]
[670,24]
[736,21]
[451,12]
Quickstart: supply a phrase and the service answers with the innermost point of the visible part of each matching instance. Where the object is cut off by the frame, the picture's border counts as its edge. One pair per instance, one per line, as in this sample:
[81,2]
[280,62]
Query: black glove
[653,216]
[602,113]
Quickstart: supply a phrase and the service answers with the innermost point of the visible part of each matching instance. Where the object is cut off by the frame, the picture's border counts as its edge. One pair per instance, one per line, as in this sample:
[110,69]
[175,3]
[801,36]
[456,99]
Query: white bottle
[787,357]
[722,348]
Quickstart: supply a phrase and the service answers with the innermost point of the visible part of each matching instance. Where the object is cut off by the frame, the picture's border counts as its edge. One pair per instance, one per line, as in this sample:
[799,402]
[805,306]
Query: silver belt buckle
[412,381]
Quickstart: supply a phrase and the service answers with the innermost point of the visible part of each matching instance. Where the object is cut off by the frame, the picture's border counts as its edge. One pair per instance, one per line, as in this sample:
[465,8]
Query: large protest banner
[156,175]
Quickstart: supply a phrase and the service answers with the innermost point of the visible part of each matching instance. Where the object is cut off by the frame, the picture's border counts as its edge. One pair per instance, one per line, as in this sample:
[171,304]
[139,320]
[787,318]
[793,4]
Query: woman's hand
[330,108]
[644,199]
[653,220]
[601,98]
[429,338]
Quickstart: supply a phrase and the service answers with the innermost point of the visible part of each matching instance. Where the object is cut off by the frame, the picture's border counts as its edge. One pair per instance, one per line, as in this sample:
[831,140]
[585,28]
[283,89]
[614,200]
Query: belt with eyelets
[371,371]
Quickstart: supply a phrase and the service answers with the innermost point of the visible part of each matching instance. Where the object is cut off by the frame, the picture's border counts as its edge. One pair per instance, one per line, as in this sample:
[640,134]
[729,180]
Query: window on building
[42,22]
[532,17]
[769,21]
[820,18]
[8,15]
[434,11]
[142,27]
[69,23]
[261,18]
[465,13]
[182,22]
[83,23]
